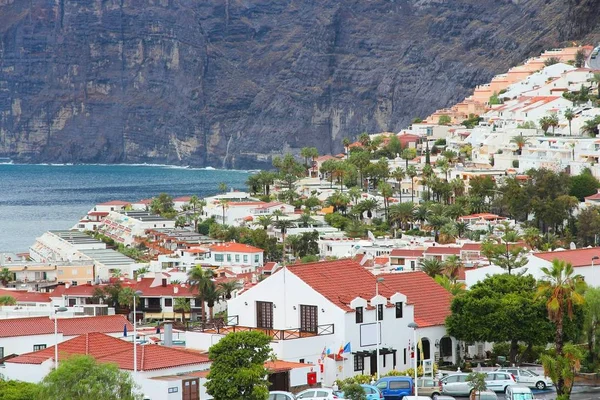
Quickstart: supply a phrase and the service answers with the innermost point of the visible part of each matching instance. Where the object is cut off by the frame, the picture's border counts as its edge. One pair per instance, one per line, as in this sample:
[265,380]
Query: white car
[529,378]
[318,394]
[279,395]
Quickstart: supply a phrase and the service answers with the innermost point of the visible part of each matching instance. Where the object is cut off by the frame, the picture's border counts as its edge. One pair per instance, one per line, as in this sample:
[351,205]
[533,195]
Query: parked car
[372,392]
[529,378]
[395,387]
[457,385]
[319,394]
[428,387]
[518,393]
[279,395]
[486,395]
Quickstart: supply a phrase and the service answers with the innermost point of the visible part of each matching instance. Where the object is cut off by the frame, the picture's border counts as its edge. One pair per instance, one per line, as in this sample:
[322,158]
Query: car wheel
[505,389]
[434,396]
[540,385]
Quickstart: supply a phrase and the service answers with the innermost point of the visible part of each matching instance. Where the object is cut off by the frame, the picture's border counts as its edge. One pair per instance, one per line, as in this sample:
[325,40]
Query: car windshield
[532,373]
[522,396]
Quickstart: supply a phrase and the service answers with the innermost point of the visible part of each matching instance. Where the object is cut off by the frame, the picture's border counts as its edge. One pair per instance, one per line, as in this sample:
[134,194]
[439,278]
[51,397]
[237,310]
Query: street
[579,393]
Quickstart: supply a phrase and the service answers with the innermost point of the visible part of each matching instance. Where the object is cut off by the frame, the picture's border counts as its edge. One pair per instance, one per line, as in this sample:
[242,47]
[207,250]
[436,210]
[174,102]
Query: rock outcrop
[230,83]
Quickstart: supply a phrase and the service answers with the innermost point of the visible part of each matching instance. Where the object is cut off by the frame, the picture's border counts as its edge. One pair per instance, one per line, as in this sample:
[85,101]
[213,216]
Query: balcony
[218,326]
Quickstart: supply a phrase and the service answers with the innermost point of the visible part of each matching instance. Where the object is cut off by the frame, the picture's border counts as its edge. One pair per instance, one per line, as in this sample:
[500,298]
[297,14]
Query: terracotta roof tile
[410,253]
[67,326]
[108,349]
[431,301]
[442,250]
[22,296]
[577,258]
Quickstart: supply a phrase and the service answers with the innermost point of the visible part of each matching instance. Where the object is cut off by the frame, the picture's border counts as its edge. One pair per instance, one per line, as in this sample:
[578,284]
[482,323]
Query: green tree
[309,153]
[454,287]
[444,120]
[477,381]
[592,322]
[551,61]
[580,58]
[402,214]
[569,115]
[283,225]
[199,279]
[494,99]
[431,266]
[520,141]
[386,191]
[590,127]
[163,205]
[354,391]
[411,172]
[264,221]
[506,253]
[182,305]
[583,185]
[237,371]
[561,368]
[16,390]
[82,378]
[289,170]
[500,308]
[6,276]
[7,301]
[408,154]
[393,146]
[228,287]
[368,205]
[588,225]
[563,290]
[361,159]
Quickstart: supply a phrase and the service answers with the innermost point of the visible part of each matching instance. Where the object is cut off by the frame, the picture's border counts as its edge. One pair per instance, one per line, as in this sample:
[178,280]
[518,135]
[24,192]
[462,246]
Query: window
[245,258]
[256,258]
[264,314]
[168,302]
[404,355]
[399,385]
[37,347]
[309,318]
[382,385]
[1,352]
[237,258]
[399,309]
[228,257]
[379,312]
[307,395]
[359,315]
[321,394]
[219,257]
[359,363]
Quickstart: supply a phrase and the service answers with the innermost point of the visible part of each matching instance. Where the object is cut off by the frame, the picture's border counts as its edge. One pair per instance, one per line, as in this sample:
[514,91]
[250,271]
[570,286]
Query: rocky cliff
[229,83]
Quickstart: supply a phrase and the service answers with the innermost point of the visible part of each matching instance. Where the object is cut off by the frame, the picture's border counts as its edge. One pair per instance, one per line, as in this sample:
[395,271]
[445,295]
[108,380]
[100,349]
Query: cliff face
[229,83]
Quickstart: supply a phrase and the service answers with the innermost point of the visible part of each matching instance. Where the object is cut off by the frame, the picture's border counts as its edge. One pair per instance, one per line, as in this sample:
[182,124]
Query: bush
[354,391]
[440,142]
[501,349]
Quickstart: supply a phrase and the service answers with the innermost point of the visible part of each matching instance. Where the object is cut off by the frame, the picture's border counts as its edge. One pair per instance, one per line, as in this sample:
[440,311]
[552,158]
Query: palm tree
[431,266]
[569,115]
[398,174]
[354,194]
[264,221]
[224,205]
[411,172]
[305,220]
[553,121]
[212,294]
[531,237]
[126,297]
[6,276]
[455,288]
[444,166]
[283,225]
[339,201]
[277,214]
[386,192]
[402,214]
[452,267]
[563,290]
[222,187]
[450,155]
[368,205]
[346,144]
[182,305]
[7,301]
[180,221]
[309,153]
[520,141]
[461,228]
[198,279]
[422,213]
[228,287]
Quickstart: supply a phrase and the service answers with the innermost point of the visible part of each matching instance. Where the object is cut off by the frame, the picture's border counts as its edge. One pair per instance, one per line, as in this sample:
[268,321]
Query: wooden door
[191,389]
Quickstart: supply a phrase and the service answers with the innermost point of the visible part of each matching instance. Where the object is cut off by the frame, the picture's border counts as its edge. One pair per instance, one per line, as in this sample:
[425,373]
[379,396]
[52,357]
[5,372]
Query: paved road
[595,63]
[579,393]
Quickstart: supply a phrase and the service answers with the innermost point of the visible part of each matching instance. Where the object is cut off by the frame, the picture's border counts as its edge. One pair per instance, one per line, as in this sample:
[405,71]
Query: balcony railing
[218,327]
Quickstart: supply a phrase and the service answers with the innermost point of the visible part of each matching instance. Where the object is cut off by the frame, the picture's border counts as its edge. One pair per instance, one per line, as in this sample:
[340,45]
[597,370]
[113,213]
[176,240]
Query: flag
[328,351]
[125,330]
[420,347]
[323,353]
[341,351]
[347,348]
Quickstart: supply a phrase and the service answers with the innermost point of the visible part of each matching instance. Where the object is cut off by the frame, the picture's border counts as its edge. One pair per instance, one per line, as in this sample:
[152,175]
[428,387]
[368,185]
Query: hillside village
[326,248]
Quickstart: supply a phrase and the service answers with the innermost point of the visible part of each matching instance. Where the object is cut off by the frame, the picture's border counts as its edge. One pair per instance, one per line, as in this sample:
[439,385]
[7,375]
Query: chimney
[168,332]
[164,282]
[175,290]
[139,278]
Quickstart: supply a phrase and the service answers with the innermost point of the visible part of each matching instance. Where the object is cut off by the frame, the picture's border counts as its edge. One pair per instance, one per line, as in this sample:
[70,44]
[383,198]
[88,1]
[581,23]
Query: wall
[154,389]
[24,344]
[33,373]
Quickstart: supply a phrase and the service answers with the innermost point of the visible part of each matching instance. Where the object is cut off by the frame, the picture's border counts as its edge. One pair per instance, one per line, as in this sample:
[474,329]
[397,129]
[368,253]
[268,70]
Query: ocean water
[37,198]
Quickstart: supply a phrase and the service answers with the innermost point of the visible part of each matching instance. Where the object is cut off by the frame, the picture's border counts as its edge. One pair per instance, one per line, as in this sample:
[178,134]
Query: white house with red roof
[441,252]
[24,335]
[238,257]
[406,259]
[269,208]
[310,308]
[152,361]
[586,262]
[93,219]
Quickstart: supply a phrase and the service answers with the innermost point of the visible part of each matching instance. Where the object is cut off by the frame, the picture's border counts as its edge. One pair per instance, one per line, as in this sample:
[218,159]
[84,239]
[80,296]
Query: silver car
[529,378]
[457,384]
[279,395]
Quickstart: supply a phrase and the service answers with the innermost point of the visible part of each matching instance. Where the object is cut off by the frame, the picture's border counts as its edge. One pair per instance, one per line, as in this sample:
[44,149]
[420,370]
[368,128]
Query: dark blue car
[395,387]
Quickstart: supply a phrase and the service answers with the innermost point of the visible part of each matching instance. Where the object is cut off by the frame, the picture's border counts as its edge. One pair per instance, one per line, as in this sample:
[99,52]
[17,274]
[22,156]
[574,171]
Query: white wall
[159,389]
[33,373]
[24,344]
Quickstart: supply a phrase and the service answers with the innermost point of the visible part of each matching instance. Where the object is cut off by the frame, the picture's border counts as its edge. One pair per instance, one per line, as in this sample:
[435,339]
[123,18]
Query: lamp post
[56,311]
[380,279]
[594,259]
[135,295]
[414,327]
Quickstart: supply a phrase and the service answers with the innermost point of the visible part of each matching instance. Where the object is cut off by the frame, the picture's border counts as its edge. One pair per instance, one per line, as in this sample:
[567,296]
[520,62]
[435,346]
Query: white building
[123,227]
[313,307]
[238,257]
[93,219]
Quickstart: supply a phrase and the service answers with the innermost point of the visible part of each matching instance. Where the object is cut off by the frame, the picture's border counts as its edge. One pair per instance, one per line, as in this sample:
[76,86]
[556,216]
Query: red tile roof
[115,203]
[577,258]
[485,216]
[268,267]
[22,296]
[235,248]
[471,247]
[407,253]
[431,301]
[68,326]
[442,250]
[282,366]
[108,349]
[183,199]
[595,196]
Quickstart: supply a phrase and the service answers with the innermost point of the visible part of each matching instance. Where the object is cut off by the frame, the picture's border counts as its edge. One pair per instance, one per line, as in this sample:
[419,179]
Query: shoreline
[168,166]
